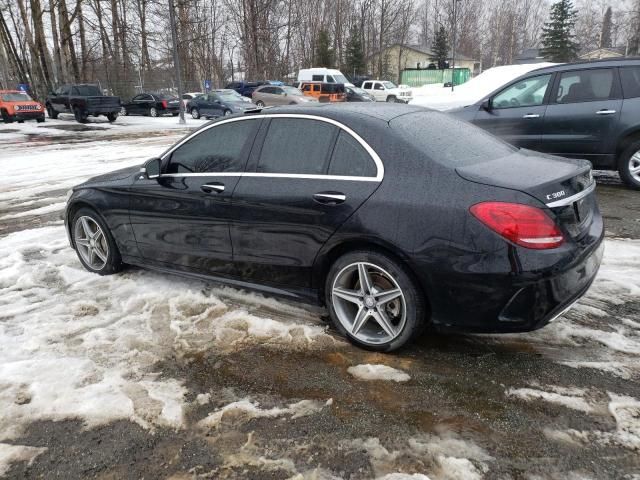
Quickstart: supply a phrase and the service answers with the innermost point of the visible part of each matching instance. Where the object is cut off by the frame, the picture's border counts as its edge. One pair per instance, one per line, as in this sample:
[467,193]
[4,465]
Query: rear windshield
[87,91]
[448,140]
[15,97]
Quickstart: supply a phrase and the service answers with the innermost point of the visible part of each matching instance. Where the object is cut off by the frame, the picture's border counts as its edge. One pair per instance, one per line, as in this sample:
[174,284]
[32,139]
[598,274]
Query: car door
[583,114]
[296,193]
[137,104]
[516,114]
[279,96]
[181,219]
[214,105]
[61,100]
[368,87]
[379,92]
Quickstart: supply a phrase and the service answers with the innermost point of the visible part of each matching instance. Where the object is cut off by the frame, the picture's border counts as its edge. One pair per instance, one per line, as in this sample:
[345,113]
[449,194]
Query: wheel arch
[325,259]
[72,209]
[625,140]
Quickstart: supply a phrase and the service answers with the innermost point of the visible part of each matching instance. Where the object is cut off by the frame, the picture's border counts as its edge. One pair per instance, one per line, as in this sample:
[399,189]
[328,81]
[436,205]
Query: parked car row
[151,104]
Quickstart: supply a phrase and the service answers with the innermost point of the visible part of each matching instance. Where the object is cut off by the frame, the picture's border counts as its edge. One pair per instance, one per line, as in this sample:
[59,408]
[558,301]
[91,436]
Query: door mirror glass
[151,168]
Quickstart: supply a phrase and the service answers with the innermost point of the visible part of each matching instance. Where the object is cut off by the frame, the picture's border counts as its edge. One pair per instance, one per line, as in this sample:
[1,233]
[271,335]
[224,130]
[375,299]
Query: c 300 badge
[556,195]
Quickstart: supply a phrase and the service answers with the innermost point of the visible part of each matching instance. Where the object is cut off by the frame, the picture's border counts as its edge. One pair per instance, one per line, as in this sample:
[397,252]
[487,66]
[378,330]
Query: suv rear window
[630,77]
[449,141]
[585,85]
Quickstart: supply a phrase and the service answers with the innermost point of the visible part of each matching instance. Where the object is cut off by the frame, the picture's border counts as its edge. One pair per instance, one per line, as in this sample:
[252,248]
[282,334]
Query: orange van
[18,106]
[324,92]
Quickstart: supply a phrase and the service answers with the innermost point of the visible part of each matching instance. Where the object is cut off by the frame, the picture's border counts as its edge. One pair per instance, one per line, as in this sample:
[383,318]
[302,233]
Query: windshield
[389,85]
[229,96]
[87,91]
[16,97]
[292,90]
[437,135]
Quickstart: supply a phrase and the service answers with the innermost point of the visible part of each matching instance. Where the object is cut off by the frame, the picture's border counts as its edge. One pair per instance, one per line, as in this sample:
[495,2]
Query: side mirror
[486,105]
[151,168]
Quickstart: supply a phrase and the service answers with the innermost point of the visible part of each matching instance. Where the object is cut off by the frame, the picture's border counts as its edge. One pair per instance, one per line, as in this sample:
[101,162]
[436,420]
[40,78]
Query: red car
[18,106]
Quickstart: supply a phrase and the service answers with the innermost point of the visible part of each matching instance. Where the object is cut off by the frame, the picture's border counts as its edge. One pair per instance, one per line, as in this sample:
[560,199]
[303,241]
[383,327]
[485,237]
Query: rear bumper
[513,302]
[103,110]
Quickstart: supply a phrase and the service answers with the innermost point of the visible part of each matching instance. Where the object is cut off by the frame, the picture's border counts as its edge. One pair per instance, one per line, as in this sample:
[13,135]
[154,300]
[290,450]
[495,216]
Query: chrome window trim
[372,153]
[573,198]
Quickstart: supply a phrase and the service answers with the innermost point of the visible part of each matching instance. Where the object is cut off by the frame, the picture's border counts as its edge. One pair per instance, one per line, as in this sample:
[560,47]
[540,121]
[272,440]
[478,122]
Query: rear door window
[350,158]
[585,86]
[529,92]
[317,78]
[630,77]
[296,146]
[218,149]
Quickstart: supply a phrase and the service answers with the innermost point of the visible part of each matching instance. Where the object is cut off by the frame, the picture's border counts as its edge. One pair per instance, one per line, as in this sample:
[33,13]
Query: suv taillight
[164,104]
[523,225]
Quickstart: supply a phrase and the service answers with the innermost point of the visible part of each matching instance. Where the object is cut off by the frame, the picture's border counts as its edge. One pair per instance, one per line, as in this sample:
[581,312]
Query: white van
[327,75]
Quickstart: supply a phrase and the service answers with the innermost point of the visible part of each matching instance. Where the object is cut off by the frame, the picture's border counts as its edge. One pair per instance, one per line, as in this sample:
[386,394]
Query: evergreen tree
[323,51]
[605,34]
[354,63]
[557,34]
[440,48]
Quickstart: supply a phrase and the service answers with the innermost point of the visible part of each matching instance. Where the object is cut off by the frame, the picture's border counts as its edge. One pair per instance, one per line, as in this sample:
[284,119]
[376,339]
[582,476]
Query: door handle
[213,187]
[531,115]
[329,198]
[604,111]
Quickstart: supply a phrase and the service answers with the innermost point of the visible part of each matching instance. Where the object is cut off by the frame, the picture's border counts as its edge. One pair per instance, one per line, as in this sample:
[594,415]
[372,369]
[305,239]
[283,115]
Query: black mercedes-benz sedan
[394,217]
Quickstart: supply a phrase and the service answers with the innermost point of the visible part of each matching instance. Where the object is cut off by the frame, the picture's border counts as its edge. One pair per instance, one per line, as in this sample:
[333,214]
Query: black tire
[40,120]
[51,112]
[80,116]
[123,111]
[112,117]
[153,112]
[392,99]
[630,158]
[416,309]
[5,117]
[175,114]
[113,263]
[260,104]
[195,113]
[226,113]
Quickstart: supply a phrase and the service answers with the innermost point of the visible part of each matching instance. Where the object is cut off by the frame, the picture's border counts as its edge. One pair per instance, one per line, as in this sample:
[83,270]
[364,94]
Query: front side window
[630,77]
[389,85]
[297,146]
[291,90]
[306,88]
[585,86]
[350,158]
[378,86]
[330,79]
[529,92]
[87,91]
[218,149]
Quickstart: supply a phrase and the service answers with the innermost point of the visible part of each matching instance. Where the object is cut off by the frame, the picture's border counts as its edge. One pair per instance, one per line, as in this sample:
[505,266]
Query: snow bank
[378,372]
[16,453]
[440,98]
[78,345]
[567,397]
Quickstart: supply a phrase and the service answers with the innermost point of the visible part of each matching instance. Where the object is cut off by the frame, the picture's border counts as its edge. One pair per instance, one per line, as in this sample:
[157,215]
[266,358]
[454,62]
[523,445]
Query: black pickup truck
[82,100]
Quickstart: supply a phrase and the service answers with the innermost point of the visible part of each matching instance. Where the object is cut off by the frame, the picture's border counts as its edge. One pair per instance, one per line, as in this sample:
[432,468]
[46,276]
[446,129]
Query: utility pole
[453,47]
[176,59]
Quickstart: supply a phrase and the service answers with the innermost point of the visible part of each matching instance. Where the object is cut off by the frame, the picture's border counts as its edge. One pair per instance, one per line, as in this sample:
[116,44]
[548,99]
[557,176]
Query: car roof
[346,111]
[605,62]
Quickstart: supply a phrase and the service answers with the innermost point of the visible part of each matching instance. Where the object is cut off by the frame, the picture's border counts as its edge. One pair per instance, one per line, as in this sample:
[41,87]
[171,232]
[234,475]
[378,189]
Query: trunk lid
[565,186]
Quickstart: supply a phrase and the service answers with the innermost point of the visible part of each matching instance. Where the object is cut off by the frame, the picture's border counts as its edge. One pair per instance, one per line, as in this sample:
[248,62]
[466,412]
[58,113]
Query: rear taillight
[164,104]
[524,225]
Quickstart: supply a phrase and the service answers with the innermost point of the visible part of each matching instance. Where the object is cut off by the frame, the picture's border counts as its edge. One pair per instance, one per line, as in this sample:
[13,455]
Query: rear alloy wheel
[153,112]
[94,244]
[227,113]
[123,111]
[629,165]
[373,301]
[195,113]
[260,104]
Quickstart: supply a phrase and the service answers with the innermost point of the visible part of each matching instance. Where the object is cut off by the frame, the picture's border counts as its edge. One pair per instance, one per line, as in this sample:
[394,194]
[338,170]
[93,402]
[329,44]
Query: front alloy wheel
[195,113]
[374,301]
[94,244]
[629,165]
[153,112]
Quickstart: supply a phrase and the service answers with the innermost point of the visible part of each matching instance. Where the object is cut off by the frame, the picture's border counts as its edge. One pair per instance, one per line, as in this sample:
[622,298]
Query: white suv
[385,91]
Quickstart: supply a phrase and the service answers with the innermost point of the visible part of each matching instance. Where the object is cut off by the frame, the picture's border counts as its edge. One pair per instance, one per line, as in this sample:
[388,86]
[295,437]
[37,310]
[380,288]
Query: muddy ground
[459,416]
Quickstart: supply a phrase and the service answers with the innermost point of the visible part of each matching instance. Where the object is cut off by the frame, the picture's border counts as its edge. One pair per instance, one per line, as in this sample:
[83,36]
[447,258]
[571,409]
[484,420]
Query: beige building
[400,57]
[598,53]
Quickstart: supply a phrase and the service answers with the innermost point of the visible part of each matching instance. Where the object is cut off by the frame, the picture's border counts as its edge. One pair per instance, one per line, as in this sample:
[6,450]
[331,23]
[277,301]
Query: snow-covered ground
[440,98]
[77,346]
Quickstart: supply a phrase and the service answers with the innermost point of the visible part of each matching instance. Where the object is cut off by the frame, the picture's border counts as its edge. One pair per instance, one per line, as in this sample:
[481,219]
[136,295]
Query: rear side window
[585,86]
[350,158]
[449,141]
[218,149]
[630,77]
[298,146]
[317,78]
